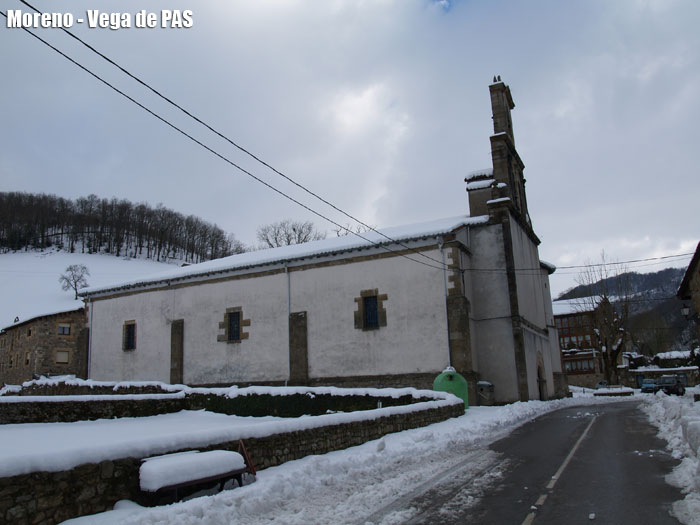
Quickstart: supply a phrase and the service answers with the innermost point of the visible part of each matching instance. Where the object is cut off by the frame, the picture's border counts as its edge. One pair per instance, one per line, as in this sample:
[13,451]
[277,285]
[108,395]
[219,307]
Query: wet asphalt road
[596,465]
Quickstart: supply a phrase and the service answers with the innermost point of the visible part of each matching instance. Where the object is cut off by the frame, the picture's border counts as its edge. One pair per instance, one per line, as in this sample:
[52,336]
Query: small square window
[233,326]
[371,311]
[63,329]
[62,357]
[129,336]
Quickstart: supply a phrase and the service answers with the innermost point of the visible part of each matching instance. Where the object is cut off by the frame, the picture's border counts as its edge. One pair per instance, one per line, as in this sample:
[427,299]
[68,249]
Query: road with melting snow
[598,464]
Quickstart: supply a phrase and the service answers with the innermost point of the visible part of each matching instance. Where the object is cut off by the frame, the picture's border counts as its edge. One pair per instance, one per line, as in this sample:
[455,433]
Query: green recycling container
[450,381]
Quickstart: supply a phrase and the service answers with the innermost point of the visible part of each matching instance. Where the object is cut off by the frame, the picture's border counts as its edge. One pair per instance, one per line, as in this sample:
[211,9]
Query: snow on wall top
[674,354]
[551,268]
[479,174]
[299,251]
[232,391]
[479,184]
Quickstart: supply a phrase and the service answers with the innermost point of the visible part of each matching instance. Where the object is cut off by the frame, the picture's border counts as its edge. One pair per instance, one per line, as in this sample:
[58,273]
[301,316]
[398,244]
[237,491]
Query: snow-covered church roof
[325,247]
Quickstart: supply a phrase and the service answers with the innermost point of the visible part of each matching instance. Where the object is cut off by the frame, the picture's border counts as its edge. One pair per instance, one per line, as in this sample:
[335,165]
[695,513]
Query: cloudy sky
[380,106]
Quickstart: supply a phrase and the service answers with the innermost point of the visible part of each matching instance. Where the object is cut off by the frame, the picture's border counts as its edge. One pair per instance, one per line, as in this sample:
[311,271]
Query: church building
[394,308]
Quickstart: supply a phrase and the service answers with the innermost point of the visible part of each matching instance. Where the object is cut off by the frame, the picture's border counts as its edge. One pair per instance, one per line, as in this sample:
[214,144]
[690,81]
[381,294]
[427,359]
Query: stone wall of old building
[47,345]
[695,297]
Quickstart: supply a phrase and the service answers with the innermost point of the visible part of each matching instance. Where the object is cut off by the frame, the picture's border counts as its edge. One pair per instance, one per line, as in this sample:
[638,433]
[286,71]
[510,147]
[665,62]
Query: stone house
[54,344]
[393,308]
[689,290]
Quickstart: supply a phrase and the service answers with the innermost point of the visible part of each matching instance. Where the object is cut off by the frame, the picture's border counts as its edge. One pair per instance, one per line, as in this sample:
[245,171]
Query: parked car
[670,384]
[649,386]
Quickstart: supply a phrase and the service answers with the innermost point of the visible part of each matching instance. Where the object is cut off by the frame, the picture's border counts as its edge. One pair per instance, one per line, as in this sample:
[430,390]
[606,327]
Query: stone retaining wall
[70,411]
[51,497]
[258,405]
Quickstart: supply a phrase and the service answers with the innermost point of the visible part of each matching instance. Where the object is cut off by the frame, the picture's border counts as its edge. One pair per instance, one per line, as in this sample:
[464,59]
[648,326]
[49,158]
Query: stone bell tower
[505,179]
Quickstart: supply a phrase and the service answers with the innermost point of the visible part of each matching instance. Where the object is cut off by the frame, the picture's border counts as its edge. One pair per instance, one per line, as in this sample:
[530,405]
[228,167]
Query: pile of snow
[71,380]
[30,287]
[678,421]
[230,391]
[348,484]
[652,368]
[674,354]
[53,447]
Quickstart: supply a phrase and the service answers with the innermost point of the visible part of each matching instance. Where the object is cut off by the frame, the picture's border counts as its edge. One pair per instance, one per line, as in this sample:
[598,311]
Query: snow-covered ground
[30,447]
[30,287]
[52,447]
[349,486]
[678,421]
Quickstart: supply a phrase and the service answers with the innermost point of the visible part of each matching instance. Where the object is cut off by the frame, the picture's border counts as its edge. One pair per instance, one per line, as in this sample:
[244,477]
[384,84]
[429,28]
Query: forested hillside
[654,285]
[115,226]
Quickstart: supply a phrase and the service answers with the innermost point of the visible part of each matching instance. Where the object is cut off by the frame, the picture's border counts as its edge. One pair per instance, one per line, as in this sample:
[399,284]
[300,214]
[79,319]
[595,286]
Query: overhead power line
[617,263]
[440,264]
[233,143]
[228,161]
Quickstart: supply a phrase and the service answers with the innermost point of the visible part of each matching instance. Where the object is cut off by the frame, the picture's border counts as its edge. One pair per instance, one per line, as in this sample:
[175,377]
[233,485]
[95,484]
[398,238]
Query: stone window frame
[63,329]
[27,358]
[224,325]
[126,327]
[359,314]
[68,356]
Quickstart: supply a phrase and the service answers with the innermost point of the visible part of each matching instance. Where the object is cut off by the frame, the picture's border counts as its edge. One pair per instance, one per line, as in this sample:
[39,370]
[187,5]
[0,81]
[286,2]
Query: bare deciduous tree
[287,232]
[607,302]
[348,229]
[74,278]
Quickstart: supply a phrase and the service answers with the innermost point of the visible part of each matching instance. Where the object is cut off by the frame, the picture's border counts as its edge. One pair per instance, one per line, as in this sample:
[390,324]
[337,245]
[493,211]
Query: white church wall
[538,345]
[108,361]
[534,302]
[413,341]
[415,337]
[468,279]
[264,355]
[492,334]
[531,286]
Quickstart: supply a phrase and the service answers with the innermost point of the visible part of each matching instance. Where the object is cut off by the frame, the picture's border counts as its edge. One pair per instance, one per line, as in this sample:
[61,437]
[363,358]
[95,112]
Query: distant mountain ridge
[663,283]
[114,226]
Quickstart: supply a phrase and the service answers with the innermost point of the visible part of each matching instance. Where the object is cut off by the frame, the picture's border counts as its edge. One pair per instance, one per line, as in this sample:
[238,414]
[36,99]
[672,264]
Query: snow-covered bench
[163,477]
